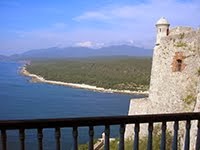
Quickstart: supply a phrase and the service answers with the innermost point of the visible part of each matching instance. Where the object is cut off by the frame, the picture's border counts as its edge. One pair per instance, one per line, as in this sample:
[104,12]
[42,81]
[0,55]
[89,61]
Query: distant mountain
[3,58]
[70,52]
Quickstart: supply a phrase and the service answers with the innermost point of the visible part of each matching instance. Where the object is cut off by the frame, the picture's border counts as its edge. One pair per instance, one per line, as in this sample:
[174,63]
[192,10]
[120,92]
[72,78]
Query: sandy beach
[36,78]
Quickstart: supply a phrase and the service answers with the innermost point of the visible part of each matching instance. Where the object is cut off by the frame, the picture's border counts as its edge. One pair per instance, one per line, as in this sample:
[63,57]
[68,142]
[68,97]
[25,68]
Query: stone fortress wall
[175,83]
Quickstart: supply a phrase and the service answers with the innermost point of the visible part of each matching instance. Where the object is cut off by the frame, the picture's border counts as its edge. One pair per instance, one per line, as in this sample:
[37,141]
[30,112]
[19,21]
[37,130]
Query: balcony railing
[91,122]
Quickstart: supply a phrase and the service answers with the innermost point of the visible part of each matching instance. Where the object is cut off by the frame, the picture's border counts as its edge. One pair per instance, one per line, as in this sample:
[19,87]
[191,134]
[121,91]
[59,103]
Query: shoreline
[36,78]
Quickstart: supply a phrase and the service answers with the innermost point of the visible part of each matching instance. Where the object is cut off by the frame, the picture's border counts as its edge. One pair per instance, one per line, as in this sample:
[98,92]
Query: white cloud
[85,44]
[89,44]
[185,12]
[137,21]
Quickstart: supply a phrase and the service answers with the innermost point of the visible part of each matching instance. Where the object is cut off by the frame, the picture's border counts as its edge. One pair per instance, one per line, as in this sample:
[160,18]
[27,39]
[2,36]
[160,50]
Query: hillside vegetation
[124,73]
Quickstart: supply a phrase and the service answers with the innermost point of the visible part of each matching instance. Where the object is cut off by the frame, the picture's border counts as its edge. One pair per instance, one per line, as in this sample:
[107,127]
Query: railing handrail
[96,121]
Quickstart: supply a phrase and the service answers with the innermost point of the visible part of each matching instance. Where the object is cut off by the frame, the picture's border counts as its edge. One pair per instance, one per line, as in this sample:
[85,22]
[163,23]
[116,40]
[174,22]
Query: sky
[34,24]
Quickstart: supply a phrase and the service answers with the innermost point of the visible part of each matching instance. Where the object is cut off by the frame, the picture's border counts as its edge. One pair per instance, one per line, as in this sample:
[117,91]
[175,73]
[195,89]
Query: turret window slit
[179,64]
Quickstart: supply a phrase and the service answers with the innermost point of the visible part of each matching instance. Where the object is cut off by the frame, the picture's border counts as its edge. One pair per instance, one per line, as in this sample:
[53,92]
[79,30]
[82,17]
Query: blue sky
[32,24]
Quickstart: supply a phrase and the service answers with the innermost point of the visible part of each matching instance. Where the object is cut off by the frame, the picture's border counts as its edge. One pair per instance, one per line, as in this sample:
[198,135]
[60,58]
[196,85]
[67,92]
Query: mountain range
[3,58]
[72,52]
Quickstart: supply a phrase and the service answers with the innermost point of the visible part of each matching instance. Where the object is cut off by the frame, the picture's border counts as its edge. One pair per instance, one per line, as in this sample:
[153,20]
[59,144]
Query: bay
[21,99]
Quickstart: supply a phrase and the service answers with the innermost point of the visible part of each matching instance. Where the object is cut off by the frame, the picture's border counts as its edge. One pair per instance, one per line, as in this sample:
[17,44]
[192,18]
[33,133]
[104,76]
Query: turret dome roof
[162,21]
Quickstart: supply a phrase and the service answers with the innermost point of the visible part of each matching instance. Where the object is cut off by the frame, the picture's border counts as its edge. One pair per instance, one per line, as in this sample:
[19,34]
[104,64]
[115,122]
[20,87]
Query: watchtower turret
[162,26]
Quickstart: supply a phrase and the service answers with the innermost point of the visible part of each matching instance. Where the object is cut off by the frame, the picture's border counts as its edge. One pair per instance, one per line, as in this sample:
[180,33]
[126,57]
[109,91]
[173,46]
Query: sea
[22,99]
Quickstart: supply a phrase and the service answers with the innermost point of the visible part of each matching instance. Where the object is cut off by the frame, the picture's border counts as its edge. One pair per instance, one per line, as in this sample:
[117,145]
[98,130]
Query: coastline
[36,78]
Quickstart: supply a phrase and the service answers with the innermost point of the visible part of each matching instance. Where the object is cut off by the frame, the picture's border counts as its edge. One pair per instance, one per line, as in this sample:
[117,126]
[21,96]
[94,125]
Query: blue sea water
[21,99]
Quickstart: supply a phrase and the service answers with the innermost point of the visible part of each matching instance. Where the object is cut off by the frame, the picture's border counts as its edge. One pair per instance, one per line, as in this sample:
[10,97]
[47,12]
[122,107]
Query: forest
[123,73]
